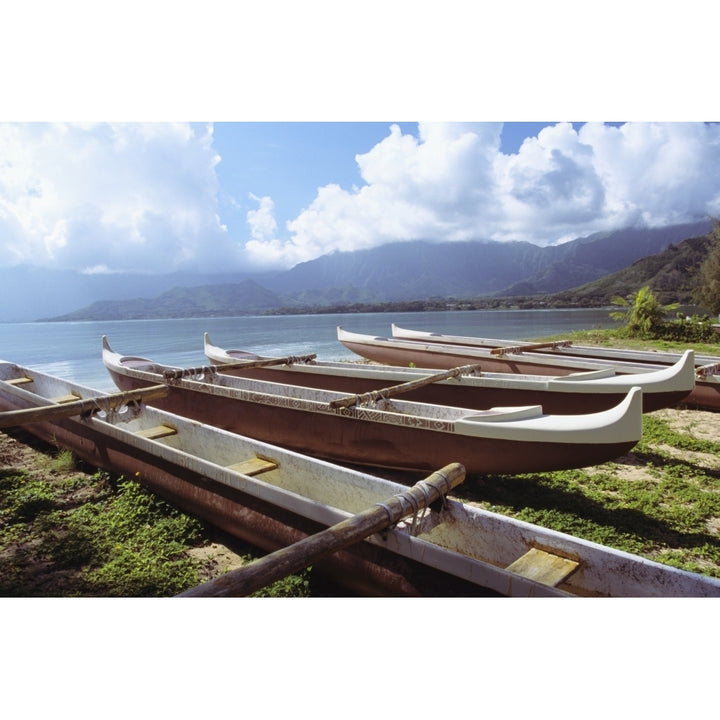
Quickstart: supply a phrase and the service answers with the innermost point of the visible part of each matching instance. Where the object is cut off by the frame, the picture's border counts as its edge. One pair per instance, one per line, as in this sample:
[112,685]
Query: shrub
[688,330]
[643,314]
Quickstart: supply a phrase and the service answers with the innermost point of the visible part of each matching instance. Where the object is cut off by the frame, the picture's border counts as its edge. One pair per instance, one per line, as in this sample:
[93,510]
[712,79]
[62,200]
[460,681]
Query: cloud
[452,182]
[106,198]
[115,197]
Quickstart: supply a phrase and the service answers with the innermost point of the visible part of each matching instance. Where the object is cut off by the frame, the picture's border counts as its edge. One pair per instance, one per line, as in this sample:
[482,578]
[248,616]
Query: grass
[617,339]
[69,533]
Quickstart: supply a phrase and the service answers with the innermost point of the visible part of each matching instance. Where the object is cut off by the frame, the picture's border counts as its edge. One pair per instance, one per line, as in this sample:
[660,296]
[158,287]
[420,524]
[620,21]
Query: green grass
[69,534]
[616,338]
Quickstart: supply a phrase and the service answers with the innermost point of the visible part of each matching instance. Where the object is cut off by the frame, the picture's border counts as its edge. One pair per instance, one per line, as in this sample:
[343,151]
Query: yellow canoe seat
[543,567]
[157,432]
[20,381]
[62,399]
[254,466]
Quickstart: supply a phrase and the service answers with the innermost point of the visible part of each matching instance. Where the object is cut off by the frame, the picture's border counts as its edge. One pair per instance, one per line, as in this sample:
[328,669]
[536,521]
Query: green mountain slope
[671,275]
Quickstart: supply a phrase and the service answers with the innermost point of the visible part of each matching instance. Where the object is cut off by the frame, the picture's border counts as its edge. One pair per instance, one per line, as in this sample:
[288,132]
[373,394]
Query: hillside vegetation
[671,274]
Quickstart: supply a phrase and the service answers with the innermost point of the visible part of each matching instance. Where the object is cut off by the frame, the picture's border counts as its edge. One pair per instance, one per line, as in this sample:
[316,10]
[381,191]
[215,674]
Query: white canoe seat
[62,399]
[543,567]
[253,466]
[157,432]
[20,381]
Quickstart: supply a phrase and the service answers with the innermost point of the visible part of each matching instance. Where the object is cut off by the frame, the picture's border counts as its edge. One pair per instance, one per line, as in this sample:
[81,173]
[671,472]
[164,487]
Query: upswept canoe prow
[451,549]
[396,434]
[220,356]
[704,396]
[584,392]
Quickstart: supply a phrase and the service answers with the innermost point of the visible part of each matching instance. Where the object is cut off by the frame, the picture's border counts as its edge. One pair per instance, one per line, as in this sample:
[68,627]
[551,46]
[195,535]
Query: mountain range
[397,272]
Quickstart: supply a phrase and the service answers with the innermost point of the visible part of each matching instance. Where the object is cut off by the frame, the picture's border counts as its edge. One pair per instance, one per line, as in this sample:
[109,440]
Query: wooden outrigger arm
[512,350]
[375,395]
[65,408]
[705,370]
[284,562]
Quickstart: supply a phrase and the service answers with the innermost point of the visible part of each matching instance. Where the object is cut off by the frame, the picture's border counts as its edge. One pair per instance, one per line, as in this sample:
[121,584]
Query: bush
[688,330]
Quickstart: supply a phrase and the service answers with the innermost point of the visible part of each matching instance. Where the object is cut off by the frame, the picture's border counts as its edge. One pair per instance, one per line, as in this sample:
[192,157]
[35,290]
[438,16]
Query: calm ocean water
[72,350]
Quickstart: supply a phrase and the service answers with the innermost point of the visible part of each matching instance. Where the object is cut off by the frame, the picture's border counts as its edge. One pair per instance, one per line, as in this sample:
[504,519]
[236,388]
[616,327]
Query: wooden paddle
[402,388]
[284,562]
[15,418]
[530,346]
[266,362]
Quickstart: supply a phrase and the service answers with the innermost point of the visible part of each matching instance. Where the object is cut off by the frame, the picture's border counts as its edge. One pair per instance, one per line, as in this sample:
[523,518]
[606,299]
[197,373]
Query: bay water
[72,350]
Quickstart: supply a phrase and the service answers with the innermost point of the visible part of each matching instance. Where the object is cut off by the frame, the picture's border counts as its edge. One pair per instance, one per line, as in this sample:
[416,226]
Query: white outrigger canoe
[273,497]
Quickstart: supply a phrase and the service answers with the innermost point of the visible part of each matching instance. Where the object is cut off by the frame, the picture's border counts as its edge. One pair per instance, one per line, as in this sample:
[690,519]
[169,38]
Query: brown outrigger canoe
[387,432]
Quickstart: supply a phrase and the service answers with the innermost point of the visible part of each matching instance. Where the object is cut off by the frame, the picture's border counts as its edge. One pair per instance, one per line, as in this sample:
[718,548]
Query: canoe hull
[425,356]
[587,392]
[467,395]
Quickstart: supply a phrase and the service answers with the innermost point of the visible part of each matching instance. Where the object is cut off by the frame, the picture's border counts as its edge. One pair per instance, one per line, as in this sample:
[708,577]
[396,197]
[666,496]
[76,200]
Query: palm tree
[643,314]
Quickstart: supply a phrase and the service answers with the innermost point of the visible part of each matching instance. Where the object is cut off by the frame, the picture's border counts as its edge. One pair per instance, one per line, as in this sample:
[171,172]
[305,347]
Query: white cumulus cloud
[453,182]
[120,197]
[106,198]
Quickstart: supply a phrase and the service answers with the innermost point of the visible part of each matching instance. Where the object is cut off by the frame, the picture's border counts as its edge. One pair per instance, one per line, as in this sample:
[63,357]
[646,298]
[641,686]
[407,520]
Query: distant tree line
[533,302]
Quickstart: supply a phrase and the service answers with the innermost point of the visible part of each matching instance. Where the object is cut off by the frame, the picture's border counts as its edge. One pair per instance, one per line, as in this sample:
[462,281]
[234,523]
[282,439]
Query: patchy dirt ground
[697,423]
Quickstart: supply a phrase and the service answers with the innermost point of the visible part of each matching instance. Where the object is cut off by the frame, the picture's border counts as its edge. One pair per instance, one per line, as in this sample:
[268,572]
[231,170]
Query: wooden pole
[530,346]
[14,418]
[402,388]
[250,578]
[705,370]
[266,362]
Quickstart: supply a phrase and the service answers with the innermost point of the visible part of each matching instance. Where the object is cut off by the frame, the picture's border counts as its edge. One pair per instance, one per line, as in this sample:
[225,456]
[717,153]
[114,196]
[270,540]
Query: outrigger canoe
[515,360]
[705,394]
[581,392]
[557,347]
[273,497]
[387,432]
